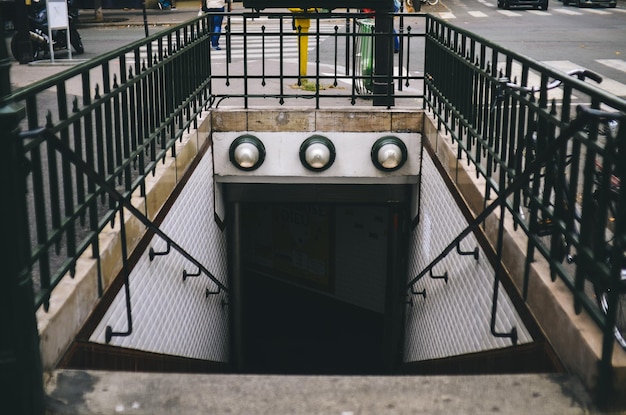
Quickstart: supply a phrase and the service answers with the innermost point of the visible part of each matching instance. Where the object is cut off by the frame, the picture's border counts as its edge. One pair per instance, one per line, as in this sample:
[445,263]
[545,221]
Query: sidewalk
[185,10]
[94,392]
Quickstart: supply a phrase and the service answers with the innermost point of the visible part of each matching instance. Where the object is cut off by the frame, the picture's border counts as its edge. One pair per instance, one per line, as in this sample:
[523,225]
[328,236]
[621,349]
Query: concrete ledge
[351,120]
[576,338]
[93,392]
[73,300]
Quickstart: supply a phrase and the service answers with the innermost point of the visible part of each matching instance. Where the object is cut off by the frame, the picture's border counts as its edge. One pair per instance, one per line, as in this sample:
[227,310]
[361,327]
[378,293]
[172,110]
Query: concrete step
[95,392]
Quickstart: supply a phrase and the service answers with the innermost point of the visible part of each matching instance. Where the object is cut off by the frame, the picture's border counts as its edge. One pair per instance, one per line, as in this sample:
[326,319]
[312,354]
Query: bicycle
[409,3]
[556,191]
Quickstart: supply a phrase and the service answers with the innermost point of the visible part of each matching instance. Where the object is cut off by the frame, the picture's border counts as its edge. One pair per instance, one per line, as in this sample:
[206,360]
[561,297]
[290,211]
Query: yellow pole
[303,25]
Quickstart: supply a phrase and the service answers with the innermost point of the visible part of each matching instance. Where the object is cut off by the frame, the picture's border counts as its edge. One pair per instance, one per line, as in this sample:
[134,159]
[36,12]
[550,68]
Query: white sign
[58,20]
[57,14]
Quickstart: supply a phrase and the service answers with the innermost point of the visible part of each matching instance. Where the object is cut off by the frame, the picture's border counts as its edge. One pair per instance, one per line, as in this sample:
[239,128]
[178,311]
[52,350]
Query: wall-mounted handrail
[84,168]
[517,184]
[584,117]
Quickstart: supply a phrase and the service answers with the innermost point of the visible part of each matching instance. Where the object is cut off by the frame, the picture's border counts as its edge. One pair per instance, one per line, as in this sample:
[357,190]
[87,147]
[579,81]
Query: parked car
[579,3]
[539,4]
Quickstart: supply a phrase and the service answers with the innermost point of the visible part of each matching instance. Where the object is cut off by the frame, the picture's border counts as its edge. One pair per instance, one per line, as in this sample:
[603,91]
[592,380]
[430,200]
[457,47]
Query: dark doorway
[317,272]
[292,330]
[314,282]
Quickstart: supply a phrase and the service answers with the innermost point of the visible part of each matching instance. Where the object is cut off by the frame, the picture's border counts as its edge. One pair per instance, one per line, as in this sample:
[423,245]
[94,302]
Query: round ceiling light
[247,152]
[317,153]
[389,153]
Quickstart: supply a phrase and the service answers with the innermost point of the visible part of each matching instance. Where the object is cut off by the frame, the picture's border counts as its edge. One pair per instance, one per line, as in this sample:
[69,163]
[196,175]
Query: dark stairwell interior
[301,311]
[293,330]
[315,285]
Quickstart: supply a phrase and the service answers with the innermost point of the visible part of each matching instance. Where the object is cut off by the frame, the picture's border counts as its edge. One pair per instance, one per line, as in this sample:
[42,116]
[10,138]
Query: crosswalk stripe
[597,11]
[567,11]
[509,13]
[618,64]
[477,14]
[534,80]
[614,87]
[268,43]
[447,15]
[539,13]
[609,85]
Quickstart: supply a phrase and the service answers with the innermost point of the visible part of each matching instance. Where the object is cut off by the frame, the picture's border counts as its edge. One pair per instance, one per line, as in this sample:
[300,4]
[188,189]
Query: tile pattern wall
[172,316]
[455,317]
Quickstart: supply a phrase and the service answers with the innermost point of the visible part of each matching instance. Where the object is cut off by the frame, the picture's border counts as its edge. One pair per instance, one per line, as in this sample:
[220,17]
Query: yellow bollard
[303,39]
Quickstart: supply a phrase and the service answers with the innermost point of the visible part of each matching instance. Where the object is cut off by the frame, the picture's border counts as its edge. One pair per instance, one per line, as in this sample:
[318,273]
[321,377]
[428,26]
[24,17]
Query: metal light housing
[247,152]
[317,153]
[389,153]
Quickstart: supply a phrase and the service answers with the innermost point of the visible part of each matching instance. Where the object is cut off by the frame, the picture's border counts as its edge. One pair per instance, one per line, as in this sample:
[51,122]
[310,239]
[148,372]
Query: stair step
[95,392]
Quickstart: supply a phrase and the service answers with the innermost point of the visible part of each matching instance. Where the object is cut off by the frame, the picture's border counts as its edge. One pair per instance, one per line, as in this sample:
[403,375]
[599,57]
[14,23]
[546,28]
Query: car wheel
[544,5]
[506,4]
[565,2]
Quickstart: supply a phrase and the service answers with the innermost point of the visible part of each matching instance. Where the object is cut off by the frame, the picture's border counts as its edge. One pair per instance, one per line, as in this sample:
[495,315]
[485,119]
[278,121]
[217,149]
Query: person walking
[215,21]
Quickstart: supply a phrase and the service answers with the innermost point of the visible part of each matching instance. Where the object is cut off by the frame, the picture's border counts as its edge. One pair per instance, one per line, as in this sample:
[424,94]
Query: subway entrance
[319,283]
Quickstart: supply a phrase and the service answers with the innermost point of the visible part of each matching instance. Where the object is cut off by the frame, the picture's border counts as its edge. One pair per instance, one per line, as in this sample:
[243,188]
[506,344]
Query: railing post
[382,85]
[21,376]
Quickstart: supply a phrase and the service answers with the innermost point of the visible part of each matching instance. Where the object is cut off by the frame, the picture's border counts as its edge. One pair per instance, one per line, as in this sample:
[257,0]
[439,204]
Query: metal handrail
[575,126]
[83,167]
[500,135]
[124,111]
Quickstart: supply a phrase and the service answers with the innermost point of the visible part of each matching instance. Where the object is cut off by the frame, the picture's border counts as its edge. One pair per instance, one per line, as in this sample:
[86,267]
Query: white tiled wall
[171,316]
[455,317]
[174,317]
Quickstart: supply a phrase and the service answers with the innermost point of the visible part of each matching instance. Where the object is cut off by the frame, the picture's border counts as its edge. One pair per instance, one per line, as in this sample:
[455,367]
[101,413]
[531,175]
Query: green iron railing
[572,207]
[124,111]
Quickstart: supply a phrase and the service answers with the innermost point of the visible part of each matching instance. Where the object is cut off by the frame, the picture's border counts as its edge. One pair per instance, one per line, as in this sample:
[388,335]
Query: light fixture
[317,153]
[389,153]
[247,152]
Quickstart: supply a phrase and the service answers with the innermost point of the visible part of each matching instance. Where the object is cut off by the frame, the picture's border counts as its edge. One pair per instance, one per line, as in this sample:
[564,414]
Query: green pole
[21,375]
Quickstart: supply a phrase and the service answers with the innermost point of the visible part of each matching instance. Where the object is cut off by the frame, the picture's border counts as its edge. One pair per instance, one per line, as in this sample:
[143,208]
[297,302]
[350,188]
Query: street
[561,37]
[564,37]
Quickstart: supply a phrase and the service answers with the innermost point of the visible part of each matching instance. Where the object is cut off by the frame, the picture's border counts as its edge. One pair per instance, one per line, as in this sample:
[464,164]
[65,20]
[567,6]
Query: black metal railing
[124,111]
[121,203]
[337,60]
[504,111]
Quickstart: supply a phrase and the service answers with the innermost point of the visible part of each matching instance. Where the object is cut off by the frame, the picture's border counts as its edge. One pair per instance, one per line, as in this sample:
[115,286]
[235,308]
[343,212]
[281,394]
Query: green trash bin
[364,58]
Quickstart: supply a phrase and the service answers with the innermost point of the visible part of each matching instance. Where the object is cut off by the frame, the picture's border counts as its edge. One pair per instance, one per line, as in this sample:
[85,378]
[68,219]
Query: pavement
[94,392]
